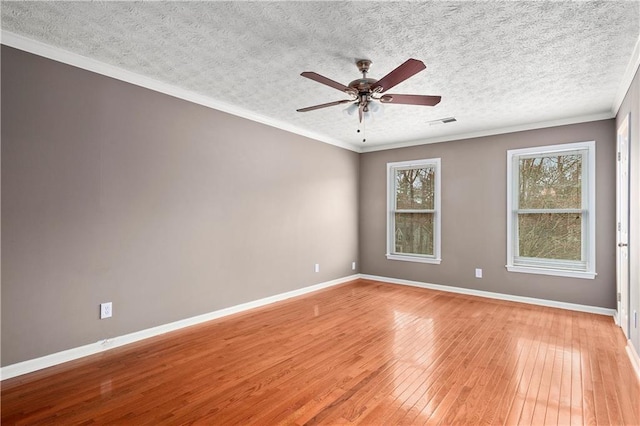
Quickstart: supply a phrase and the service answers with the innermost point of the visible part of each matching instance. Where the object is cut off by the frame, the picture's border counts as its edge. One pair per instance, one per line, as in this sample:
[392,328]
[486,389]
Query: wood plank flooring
[364,353]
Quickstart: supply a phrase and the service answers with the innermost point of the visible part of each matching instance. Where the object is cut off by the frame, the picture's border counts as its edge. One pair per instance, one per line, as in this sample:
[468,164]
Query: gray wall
[474,216]
[112,192]
[631,104]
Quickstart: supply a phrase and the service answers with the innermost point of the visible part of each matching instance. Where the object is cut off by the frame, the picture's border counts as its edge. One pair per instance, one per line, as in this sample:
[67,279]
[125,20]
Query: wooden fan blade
[324,80]
[400,74]
[328,104]
[411,99]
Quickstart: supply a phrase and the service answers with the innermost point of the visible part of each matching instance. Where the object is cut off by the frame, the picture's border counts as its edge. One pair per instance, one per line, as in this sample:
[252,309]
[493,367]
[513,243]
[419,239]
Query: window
[413,213]
[551,210]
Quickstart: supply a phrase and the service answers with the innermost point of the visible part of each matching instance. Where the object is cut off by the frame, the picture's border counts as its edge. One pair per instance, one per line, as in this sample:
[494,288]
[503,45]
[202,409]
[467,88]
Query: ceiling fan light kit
[366,94]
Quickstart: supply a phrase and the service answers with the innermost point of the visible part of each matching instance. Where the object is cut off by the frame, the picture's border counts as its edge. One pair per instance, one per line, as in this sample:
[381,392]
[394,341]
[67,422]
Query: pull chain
[364,131]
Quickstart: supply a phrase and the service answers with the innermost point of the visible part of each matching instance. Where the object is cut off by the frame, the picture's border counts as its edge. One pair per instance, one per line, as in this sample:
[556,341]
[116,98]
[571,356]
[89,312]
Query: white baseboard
[32,365]
[633,356]
[500,296]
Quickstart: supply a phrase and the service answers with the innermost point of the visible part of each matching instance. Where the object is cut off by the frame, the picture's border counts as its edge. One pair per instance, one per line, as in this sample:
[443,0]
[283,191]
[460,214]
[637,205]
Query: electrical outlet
[106,310]
[353,266]
[317,268]
[478,273]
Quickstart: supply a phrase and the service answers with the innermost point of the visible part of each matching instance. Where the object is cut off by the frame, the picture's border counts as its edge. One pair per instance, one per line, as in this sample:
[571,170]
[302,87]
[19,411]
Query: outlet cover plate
[106,310]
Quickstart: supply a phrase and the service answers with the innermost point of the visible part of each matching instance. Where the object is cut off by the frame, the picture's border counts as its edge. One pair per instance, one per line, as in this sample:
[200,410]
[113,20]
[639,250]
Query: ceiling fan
[365,91]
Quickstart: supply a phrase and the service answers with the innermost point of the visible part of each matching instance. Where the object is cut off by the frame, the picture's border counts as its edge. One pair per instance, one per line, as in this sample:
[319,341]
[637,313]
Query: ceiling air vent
[442,121]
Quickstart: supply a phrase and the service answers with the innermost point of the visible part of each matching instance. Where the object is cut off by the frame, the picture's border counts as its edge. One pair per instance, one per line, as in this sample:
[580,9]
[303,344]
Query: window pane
[415,188]
[414,233]
[551,182]
[550,236]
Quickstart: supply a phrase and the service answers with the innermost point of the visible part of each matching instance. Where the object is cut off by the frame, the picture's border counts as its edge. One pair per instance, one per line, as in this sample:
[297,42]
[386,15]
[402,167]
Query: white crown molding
[627,78]
[32,365]
[494,132]
[64,56]
[499,296]
[60,55]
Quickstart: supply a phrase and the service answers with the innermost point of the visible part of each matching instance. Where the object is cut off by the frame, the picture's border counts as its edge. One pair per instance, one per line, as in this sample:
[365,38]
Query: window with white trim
[551,210]
[413,211]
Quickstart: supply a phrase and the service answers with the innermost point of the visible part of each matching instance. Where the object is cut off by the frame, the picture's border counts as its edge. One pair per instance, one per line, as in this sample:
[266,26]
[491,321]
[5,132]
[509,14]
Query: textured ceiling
[496,65]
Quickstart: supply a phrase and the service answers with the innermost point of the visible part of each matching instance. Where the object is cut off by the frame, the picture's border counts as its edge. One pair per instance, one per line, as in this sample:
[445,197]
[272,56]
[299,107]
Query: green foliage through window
[414,215]
[414,233]
[551,204]
[550,235]
[551,182]
[547,183]
[415,188]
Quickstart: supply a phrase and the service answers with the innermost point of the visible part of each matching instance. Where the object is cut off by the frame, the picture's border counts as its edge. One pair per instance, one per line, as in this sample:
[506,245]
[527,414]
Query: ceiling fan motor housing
[363,85]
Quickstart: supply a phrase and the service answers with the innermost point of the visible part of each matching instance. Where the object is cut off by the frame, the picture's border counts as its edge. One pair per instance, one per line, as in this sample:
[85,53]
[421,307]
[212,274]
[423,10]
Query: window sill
[419,259]
[554,272]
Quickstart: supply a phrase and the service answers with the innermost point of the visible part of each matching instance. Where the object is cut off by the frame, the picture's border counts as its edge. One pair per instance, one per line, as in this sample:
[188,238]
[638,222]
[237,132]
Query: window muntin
[551,215]
[413,212]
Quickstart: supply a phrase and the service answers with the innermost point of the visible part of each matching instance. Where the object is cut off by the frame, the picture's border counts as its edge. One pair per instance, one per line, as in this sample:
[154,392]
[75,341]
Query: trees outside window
[413,214]
[551,210]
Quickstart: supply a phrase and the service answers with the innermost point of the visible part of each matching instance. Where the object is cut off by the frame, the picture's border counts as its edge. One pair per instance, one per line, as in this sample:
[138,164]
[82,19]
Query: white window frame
[588,210]
[391,210]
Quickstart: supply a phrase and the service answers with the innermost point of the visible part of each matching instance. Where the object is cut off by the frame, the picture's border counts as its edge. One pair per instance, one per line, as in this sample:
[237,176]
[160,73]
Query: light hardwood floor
[364,352]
